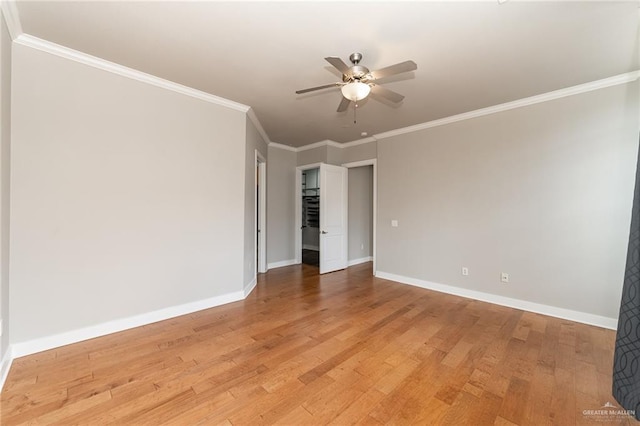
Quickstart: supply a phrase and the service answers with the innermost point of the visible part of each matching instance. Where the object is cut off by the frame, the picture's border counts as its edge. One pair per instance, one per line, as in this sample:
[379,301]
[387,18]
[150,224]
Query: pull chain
[354,112]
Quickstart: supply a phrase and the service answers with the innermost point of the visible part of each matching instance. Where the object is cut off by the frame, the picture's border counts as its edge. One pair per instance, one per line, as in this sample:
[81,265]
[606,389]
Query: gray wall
[360,212]
[542,192]
[337,156]
[254,141]
[311,156]
[366,151]
[280,205]
[5,172]
[126,198]
[334,155]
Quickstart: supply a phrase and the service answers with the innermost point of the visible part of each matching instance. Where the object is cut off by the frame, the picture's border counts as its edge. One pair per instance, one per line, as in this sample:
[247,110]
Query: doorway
[311,217]
[362,211]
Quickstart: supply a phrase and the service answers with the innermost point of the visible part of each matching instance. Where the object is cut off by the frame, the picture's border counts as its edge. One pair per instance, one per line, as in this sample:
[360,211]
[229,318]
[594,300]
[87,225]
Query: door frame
[260,261]
[298,210]
[372,162]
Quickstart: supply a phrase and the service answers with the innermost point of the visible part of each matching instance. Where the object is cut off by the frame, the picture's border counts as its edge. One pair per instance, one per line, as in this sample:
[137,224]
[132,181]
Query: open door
[333,218]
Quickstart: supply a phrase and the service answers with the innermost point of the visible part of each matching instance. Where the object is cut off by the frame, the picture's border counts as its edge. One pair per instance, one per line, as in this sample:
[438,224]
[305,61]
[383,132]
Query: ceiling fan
[357,81]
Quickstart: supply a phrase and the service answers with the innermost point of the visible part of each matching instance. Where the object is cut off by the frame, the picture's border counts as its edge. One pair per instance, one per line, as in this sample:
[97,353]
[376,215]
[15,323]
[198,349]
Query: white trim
[93,61]
[281,146]
[372,162]
[249,287]
[307,167]
[283,263]
[554,311]
[359,142]
[549,96]
[310,247]
[297,219]
[5,366]
[74,336]
[359,261]
[254,119]
[334,144]
[11,17]
[324,143]
[361,163]
[316,145]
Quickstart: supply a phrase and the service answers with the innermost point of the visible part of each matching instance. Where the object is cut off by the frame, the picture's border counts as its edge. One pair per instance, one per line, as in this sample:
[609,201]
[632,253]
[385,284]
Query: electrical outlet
[465,271]
[362,246]
[504,277]
[394,223]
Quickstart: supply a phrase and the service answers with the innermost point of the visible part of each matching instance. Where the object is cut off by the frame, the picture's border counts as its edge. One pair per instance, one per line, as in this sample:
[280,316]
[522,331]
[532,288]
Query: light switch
[394,223]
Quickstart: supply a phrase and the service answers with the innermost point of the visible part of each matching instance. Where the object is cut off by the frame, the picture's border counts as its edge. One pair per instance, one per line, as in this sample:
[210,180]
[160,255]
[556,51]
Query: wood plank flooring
[344,348]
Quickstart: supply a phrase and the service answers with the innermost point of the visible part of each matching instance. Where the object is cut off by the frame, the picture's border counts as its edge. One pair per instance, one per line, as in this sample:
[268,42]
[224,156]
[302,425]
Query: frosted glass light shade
[356,91]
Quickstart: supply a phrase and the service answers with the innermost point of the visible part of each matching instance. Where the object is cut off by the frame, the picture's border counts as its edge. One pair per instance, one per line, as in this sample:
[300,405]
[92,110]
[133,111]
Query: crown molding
[281,146]
[11,17]
[333,144]
[254,119]
[92,61]
[545,97]
[324,143]
[358,142]
[313,145]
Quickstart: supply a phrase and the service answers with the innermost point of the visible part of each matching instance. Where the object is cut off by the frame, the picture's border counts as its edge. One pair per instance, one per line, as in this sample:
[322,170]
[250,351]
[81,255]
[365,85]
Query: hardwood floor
[344,348]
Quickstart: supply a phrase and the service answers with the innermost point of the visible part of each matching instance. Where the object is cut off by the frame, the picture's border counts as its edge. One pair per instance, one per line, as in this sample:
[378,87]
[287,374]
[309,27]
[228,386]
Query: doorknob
[324,232]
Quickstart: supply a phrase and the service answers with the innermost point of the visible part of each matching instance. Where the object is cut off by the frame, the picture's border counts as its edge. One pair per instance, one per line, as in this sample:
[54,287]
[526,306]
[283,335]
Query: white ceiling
[470,55]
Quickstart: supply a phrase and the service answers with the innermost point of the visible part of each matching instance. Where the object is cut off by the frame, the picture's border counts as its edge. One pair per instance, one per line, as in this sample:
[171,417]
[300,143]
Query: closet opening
[311,217]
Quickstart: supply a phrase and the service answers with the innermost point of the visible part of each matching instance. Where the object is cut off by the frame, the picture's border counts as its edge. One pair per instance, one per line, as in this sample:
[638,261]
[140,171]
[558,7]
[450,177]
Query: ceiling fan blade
[311,89]
[394,69]
[339,64]
[386,93]
[344,104]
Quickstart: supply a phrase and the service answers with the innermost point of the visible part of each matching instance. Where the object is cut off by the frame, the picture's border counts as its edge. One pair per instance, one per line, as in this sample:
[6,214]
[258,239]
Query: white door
[333,218]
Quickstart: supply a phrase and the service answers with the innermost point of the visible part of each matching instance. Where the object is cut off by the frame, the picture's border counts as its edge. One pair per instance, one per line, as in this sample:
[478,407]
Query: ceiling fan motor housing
[356,72]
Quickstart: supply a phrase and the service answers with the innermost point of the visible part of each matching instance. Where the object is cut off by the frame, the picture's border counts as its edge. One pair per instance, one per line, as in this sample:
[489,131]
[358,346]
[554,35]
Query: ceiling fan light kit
[355,91]
[357,81]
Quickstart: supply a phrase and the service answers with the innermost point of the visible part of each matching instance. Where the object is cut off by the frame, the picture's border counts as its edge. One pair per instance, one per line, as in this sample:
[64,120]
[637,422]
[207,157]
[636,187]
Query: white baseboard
[359,261]
[282,263]
[5,366]
[49,342]
[310,247]
[568,314]
[249,287]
